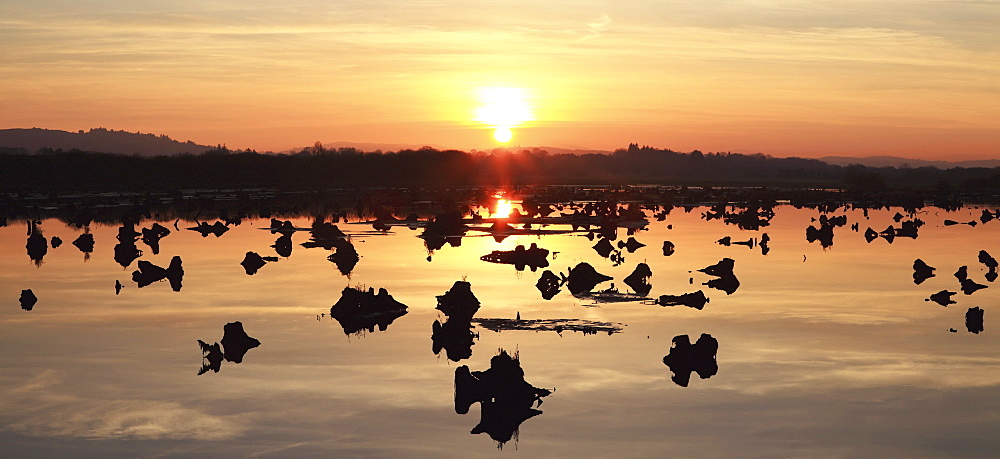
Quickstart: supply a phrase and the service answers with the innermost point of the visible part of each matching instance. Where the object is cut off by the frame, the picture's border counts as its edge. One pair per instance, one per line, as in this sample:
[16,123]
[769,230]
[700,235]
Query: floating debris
[974,320]
[586,327]
[943,298]
[548,284]
[358,310]
[695,300]
[583,278]
[685,357]
[533,257]
[28,299]
[638,281]
[506,399]
[149,273]
[921,271]
[235,344]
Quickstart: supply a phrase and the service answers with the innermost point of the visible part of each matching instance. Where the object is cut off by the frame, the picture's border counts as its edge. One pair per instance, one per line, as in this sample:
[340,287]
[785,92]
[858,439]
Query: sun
[504,208]
[502,109]
[502,134]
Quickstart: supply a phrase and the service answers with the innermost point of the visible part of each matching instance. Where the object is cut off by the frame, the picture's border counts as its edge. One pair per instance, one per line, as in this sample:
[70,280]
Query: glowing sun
[504,208]
[502,134]
[503,109]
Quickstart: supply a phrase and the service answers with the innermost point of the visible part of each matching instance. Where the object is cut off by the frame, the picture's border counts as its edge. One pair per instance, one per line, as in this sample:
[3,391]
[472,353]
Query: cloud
[36,408]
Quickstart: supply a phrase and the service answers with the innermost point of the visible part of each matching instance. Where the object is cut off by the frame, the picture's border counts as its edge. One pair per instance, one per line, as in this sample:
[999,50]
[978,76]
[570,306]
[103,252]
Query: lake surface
[821,350]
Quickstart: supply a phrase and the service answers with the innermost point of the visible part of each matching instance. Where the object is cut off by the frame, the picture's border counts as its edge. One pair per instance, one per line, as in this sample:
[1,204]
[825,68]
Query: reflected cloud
[68,415]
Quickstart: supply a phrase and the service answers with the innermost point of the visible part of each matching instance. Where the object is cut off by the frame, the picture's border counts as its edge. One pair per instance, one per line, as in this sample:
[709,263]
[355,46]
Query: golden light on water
[502,109]
[504,208]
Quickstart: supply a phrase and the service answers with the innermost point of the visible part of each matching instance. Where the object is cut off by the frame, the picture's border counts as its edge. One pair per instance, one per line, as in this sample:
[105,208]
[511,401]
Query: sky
[913,78]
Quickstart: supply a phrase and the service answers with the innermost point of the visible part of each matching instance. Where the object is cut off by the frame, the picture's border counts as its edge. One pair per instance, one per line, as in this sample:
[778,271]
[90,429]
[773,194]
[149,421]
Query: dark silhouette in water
[984,258]
[324,235]
[639,279]
[548,284]
[455,335]
[728,241]
[974,320]
[970,286]
[37,246]
[534,257]
[283,245]
[218,228]
[631,245]
[764,240]
[126,251]
[583,278]
[943,298]
[824,234]
[56,242]
[695,300]
[151,236]
[685,357]
[668,248]
[359,310]
[953,223]
[962,274]
[85,242]
[587,327]
[459,301]
[283,227]
[27,299]
[149,273]
[211,359]
[235,344]
[252,262]
[726,280]
[721,269]
[118,286]
[345,257]
[921,271]
[506,399]
[604,248]
[446,227]
[870,235]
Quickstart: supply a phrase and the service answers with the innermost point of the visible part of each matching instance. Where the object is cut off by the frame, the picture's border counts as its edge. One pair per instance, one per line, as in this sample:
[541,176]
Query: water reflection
[37,246]
[455,335]
[616,390]
[685,358]
[126,251]
[548,284]
[724,280]
[234,346]
[358,310]
[149,273]
[27,299]
[506,400]
[974,320]
[534,257]
[218,229]
[151,236]
[85,242]
[583,278]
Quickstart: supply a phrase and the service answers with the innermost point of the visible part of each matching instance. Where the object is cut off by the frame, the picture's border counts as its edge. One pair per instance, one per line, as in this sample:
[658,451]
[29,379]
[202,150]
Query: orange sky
[807,78]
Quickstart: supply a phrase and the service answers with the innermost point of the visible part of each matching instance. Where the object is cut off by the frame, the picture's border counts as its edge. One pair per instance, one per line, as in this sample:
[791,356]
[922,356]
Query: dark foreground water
[820,350]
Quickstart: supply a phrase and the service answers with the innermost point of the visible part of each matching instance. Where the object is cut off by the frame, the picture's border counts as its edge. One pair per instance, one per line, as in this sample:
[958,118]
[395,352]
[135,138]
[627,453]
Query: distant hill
[96,140]
[387,147]
[365,146]
[895,161]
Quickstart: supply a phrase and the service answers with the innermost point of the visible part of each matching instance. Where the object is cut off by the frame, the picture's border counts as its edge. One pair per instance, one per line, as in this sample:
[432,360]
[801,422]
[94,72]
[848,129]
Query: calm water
[821,351]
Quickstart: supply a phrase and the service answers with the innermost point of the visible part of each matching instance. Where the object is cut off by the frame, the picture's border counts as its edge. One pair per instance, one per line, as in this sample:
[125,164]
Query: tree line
[317,169]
